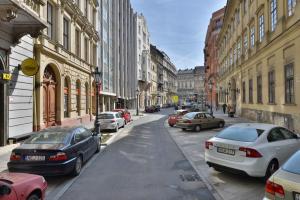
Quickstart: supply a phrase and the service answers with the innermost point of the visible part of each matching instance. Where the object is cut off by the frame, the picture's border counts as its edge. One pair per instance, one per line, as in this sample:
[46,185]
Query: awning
[20,18]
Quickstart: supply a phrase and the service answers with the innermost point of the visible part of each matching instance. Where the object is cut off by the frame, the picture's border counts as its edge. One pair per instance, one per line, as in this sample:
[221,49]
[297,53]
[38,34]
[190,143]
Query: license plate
[226,151]
[296,196]
[35,158]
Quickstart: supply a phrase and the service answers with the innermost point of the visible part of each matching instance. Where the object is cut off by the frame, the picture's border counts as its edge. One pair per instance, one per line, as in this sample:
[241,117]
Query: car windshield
[293,164]
[49,138]
[106,116]
[189,115]
[240,134]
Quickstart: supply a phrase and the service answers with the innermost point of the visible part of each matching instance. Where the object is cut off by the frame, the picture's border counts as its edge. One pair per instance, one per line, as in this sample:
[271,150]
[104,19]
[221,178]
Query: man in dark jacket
[224,107]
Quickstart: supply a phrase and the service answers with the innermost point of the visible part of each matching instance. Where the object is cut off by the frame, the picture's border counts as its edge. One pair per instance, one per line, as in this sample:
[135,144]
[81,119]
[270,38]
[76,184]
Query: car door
[291,140]
[210,121]
[92,145]
[201,120]
[278,145]
[81,143]
[119,119]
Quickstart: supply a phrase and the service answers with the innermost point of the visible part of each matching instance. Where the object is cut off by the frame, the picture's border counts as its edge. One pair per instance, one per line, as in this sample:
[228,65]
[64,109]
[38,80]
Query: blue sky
[178,27]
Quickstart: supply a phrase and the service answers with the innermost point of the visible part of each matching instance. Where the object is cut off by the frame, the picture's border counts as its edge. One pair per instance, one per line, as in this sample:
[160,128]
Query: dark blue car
[55,151]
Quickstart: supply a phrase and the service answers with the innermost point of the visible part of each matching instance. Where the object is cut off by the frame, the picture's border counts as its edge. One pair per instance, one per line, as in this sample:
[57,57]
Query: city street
[143,162]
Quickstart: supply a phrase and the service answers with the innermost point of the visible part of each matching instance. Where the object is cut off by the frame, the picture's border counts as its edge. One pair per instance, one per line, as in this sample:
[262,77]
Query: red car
[20,186]
[173,118]
[124,114]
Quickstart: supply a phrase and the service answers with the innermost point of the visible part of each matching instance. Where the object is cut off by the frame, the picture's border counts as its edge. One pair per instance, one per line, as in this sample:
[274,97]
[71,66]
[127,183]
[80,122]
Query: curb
[209,186]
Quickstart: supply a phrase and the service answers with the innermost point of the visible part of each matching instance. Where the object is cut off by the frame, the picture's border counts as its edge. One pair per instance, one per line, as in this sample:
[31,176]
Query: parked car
[20,186]
[285,182]
[149,109]
[124,114]
[255,149]
[55,151]
[199,120]
[157,108]
[111,121]
[173,118]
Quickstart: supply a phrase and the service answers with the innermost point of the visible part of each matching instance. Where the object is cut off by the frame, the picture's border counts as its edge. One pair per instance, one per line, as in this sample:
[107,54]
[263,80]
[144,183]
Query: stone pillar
[59,23]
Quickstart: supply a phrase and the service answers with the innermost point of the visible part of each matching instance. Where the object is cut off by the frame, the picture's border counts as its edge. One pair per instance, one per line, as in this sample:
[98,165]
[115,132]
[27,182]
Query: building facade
[67,56]
[143,61]
[190,85]
[19,24]
[258,60]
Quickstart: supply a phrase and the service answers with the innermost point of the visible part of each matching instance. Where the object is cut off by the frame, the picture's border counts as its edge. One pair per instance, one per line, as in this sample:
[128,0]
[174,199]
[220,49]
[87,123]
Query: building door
[2,109]
[49,91]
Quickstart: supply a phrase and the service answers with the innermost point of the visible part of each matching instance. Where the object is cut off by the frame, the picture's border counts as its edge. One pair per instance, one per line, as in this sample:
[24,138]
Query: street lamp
[137,101]
[210,84]
[98,77]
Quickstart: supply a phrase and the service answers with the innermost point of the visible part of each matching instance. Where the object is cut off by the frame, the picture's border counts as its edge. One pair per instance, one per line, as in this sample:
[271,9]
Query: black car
[157,108]
[55,151]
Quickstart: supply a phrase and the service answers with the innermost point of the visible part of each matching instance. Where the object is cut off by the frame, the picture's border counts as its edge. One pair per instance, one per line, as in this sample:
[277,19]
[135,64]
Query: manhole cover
[190,177]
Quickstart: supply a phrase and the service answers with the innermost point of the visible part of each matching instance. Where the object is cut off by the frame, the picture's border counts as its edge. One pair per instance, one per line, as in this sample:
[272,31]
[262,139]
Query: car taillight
[113,120]
[274,189]
[208,144]
[250,153]
[58,157]
[15,157]
[189,121]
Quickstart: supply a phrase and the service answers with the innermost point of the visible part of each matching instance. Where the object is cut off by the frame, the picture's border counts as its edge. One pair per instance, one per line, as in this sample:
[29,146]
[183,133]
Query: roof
[263,126]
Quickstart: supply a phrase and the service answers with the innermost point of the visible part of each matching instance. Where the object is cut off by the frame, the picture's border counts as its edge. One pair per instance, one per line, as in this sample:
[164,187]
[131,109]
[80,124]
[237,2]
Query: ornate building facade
[258,63]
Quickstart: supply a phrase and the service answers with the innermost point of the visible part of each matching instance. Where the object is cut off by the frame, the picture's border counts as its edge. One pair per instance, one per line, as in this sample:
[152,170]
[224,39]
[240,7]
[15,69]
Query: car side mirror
[5,190]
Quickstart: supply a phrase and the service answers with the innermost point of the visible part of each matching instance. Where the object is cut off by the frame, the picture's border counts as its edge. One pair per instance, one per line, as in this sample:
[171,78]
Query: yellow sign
[29,67]
[6,76]
[175,99]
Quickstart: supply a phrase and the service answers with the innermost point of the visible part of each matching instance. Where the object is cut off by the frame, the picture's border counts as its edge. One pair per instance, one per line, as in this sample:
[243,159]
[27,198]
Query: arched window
[67,99]
[78,97]
[87,105]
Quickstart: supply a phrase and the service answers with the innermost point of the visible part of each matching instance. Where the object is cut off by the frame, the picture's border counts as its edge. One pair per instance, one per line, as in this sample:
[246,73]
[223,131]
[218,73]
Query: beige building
[153,85]
[66,52]
[258,69]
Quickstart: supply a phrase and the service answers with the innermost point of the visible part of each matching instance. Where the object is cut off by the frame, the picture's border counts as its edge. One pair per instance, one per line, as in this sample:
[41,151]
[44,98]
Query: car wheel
[33,197]
[184,129]
[221,124]
[198,128]
[117,128]
[272,167]
[171,125]
[98,146]
[78,166]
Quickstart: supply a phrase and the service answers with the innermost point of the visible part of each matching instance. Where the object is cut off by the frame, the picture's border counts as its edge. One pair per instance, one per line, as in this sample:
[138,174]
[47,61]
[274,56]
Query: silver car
[111,121]
[285,183]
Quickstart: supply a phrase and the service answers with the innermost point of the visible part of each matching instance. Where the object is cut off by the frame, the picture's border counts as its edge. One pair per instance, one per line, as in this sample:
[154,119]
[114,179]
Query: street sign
[29,67]
[6,76]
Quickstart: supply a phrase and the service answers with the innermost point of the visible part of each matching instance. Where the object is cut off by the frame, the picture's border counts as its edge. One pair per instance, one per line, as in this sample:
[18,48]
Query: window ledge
[272,104]
[290,104]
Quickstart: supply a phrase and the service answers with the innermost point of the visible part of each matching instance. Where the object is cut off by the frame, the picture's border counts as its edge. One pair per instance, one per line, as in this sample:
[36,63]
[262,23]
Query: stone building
[210,56]
[143,61]
[190,85]
[258,62]
[67,55]
[19,24]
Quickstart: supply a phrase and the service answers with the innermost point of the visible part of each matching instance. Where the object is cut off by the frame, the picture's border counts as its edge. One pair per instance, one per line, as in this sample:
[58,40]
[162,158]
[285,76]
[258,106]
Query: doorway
[49,95]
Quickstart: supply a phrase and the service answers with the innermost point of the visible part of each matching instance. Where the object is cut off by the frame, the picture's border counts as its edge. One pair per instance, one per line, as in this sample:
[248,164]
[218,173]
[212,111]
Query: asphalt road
[143,163]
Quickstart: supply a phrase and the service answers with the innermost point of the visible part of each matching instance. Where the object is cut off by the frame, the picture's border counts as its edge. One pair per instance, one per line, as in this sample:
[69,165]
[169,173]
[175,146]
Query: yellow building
[66,53]
[259,67]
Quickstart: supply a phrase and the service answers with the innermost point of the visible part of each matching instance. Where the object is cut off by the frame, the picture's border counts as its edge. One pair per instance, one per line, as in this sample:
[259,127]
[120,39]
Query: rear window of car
[292,165]
[240,134]
[49,138]
[106,116]
[190,115]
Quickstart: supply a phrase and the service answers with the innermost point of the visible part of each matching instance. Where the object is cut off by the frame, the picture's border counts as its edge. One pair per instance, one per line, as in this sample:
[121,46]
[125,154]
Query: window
[259,89]
[244,92]
[78,96]
[245,6]
[271,83]
[291,4]
[50,20]
[289,83]
[77,42]
[252,36]
[86,49]
[66,34]
[275,135]
[66,97]
[261,28]
[86,8]
[234,52]
[245,42]
[239,48]
[250,91]
[273,14]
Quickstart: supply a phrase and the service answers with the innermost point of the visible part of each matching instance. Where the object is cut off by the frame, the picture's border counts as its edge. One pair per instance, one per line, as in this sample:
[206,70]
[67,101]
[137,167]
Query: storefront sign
[6,76]
[29,67]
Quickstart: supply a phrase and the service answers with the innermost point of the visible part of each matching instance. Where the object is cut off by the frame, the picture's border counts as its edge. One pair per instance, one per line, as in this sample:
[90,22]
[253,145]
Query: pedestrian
[217,107]
[224,108]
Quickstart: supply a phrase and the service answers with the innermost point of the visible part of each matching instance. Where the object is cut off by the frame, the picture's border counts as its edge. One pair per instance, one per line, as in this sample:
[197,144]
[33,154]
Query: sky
[178,27]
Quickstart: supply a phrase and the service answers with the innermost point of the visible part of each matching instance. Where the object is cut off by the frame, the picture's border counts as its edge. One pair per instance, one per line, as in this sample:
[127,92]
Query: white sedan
[254,149]
[111,121]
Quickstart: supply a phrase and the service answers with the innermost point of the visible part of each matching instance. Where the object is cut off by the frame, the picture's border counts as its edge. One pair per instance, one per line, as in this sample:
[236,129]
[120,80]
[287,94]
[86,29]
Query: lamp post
[210,84]
[137,101]
[98,77]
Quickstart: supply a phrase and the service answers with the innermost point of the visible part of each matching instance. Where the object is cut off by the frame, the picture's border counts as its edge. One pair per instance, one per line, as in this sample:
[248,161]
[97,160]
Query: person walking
[224,108]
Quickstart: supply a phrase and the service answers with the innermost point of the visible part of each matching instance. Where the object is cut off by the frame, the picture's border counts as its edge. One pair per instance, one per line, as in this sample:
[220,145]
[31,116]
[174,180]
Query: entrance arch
[49,96]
